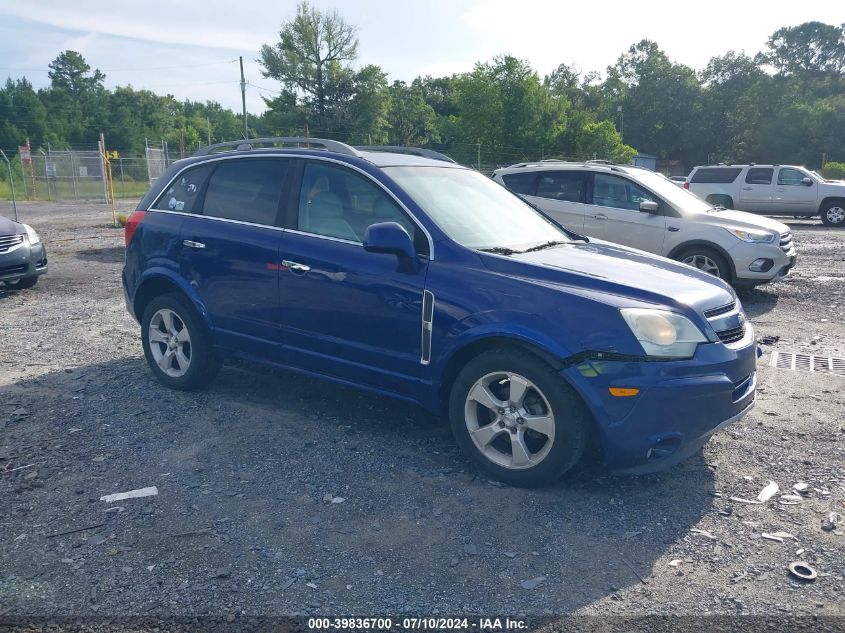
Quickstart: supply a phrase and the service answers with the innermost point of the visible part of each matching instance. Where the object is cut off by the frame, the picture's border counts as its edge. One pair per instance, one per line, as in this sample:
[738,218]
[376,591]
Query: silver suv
[770,189]
[645,210]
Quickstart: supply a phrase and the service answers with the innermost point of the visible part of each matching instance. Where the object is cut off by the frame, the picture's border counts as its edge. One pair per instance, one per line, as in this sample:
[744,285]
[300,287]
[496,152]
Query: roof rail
[413,151]
[598,161]
[250,143]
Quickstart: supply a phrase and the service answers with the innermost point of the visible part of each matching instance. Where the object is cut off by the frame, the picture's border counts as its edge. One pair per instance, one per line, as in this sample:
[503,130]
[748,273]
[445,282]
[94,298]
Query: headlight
[32,235]
[662,333]
[755,237]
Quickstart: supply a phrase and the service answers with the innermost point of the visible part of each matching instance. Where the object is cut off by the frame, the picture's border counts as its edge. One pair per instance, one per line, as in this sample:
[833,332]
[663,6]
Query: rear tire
[24,284]
[833,213]
[177,344]
[707,260]
[516,419]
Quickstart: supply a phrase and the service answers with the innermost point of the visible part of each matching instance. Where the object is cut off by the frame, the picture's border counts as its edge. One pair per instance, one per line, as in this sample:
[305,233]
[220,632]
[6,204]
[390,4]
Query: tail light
[686,185]
[131,226]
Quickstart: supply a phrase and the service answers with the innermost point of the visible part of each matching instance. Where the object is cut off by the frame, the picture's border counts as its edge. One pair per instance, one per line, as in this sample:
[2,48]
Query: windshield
[679,198]
[475,211]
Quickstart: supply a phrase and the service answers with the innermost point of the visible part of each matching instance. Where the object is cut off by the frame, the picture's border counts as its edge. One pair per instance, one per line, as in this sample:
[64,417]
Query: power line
[117,70]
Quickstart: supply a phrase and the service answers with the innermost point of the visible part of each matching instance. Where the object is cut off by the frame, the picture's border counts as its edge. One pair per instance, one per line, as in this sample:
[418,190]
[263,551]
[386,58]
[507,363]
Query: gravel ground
[278,494]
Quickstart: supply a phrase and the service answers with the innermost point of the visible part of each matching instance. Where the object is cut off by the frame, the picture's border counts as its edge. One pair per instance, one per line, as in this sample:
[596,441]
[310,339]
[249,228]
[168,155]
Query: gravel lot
[279,494]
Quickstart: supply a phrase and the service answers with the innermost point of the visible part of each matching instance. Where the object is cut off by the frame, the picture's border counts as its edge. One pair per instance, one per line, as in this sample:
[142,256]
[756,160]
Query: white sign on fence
[50,168]
[83,171]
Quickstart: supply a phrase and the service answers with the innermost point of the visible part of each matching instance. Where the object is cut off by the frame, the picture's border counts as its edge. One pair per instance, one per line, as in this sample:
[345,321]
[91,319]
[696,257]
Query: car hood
[741,220]
[619,273]
[7,227]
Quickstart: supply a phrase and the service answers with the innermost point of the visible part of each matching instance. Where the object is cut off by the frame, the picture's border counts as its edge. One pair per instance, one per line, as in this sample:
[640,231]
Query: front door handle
[300,268]
[746,188]
[600,216]
[192,244]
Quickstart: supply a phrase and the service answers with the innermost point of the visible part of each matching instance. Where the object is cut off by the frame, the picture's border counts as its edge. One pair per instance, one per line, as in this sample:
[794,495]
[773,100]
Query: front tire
[706,260]
[833,213]
[177,344]
[516,419]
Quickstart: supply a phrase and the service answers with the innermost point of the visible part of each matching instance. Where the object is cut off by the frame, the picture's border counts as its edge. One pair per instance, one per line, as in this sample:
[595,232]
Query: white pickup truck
[770,190]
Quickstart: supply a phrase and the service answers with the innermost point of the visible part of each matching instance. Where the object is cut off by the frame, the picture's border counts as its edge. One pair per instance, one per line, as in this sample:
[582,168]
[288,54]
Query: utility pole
[11,183]
[243,96]
[621,123]
[479,156]
[208,123]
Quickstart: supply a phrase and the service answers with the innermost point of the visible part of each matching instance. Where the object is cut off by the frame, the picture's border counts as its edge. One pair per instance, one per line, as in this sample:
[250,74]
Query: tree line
[784,104]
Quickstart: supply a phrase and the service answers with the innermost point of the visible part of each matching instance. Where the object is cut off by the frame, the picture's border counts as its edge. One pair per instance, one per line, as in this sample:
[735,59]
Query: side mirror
[390,238]
[649,206]
[807,182]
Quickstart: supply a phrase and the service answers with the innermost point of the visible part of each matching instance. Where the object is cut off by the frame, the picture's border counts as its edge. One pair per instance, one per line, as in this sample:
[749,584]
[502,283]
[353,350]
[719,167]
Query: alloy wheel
[170,343]
[703,263]
[835,215]
[509,420]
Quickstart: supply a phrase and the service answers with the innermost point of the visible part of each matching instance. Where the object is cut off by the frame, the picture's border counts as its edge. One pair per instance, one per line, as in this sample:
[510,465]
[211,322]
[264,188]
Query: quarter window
[787,176]
[247,190]
[336,202]
[721,175]
[759,176]
[561,185]
[618,193]
[184,193]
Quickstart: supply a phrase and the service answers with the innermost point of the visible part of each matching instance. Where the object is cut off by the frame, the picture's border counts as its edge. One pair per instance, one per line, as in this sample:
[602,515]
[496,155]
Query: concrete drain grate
[808,362]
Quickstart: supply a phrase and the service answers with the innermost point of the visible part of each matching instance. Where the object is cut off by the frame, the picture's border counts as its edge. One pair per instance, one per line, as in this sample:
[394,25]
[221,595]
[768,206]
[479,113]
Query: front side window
[246,189]
[759,176]
[184,192]
[336,202]
[787,176]
[561,185]
[474,210]
[618,193]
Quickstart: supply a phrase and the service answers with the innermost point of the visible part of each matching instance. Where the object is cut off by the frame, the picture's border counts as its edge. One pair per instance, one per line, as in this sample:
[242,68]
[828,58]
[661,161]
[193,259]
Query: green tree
[309,57]
[411,120]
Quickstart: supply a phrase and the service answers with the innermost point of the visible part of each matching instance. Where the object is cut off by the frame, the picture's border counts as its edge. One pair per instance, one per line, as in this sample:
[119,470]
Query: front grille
[714,312]
[12,270]
[8,241]
[732,335]
[786,241]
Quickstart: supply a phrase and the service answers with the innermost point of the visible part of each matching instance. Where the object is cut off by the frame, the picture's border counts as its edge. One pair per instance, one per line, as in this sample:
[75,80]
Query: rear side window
[716,174]
[184,193]
[521,183]
[759,176]
[561,185]
[247,190]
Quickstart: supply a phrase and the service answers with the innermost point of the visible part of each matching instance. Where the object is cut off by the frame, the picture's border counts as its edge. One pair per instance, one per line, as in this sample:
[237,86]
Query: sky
[189,48]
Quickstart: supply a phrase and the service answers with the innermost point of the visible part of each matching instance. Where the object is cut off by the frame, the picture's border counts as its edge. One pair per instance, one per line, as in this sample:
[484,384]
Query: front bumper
[745,255]
[680,404]
[23,262]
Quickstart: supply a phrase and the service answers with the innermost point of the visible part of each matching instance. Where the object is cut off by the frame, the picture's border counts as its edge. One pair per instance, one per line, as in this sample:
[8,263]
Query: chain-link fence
[78,174]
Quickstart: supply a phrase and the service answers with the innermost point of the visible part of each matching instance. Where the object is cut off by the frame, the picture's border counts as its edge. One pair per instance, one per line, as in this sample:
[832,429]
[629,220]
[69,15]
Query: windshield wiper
[500,250]
[544,246]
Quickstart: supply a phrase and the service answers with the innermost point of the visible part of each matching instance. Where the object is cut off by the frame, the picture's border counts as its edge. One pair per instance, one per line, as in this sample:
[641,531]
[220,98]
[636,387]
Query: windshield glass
[679,198]
[474,210]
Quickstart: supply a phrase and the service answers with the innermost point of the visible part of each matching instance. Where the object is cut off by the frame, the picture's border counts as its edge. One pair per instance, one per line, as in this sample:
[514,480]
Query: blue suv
[410,276]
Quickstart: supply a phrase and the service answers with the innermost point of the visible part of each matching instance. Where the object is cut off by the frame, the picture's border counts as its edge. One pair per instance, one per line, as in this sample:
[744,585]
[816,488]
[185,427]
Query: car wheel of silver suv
[706,260]
[833,213]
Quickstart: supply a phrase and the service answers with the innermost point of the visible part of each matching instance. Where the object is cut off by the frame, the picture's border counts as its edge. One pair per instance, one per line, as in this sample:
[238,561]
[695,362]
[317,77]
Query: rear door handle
[192,244]
[600,216]
[746,188]
[300,268]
